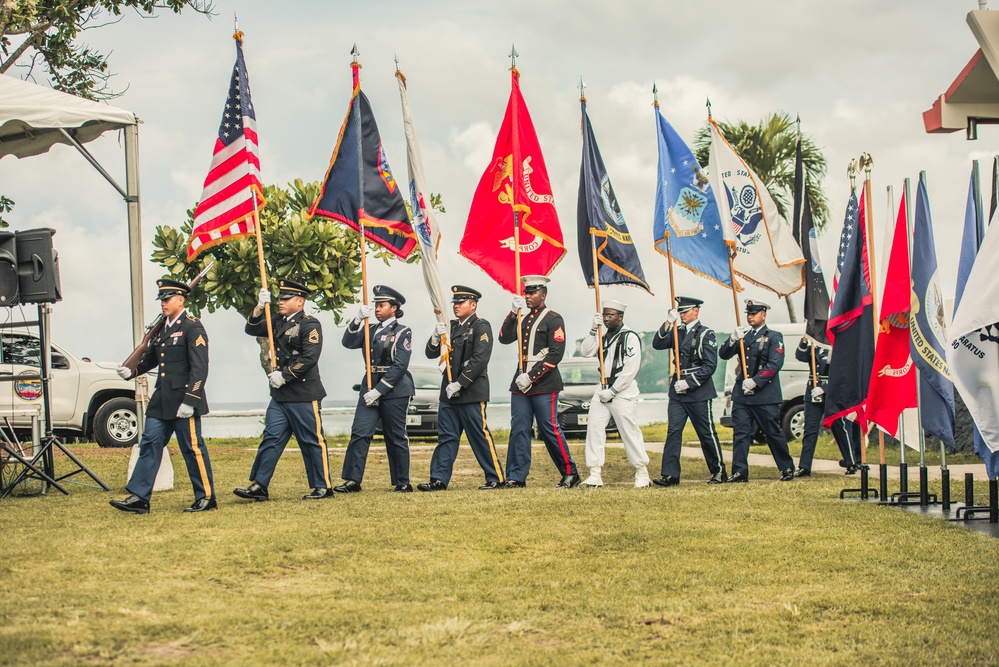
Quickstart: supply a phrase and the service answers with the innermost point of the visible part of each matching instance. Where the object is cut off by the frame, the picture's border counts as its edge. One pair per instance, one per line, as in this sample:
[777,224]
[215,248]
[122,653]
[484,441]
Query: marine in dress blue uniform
[180,353]
[464,393]
[691,396]
[387,397]
[296,393]
[846,432]
[756,399]
[536,385]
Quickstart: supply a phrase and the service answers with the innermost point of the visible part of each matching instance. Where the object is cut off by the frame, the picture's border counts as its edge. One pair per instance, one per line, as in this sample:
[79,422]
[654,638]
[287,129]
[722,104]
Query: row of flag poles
[723,226]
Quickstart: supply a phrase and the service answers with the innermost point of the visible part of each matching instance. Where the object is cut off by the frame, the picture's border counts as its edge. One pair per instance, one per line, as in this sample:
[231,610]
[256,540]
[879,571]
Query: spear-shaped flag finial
[582,89]
[354,52]
[397,62]
[655,95]
[708,105]
[237,34]
[513,56]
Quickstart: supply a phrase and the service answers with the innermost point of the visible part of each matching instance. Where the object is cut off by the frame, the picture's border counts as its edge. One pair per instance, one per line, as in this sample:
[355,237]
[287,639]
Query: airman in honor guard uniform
[464,396]
[296,392]
[536,385]
[387,397]
[846,432]
[757,398]
[618,398]
[180,354]
[690,397]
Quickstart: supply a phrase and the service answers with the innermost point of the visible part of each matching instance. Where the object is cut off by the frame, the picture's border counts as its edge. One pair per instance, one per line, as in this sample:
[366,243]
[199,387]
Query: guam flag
[599,215]
[686,214]
[359,186]
[514,191]
[928,328]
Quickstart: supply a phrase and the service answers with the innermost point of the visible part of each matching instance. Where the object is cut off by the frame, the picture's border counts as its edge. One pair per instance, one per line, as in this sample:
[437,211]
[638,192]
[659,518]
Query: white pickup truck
[89,400]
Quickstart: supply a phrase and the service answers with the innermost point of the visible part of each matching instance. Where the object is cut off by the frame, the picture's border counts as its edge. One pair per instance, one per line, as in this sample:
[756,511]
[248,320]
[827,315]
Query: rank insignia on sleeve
[629,351]
[200,340]
[314,336]
[484,338]
[407,346]
[559,335]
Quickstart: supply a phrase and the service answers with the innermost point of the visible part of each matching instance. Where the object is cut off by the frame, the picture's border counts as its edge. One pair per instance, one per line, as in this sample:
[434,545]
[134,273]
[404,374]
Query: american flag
[226,209]
[850,227]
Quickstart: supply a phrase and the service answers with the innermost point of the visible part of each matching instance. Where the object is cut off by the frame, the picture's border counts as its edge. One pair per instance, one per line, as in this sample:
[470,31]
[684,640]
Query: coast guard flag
[226,209]
[928,328]
[360,187]
[766,254]
[424,220]
[598,213]
[686,213]
[892,387]
[816,294]
[514,189]
[851,325]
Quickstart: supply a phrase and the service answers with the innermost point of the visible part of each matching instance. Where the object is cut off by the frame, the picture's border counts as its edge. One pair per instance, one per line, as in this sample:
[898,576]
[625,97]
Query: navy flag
[598,214]
[816,293]
[927,327]
[380,204]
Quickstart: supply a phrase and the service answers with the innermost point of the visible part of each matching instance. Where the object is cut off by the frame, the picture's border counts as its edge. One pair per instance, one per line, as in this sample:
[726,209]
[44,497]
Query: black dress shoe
[852,470]
[568,481]
[349,486]
[802,472]
[403,488]
[489,486]
[203,505]
[432,485]
[787,475]
[133,504]
[666,480]
[319,494]
[254,491]
[718,477]
[514,484]
[736,478]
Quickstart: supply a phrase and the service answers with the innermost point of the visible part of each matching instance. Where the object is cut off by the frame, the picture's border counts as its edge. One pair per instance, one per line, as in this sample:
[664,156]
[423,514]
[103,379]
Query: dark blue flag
[927,327]
[816,293]
[368,191]
[851,324]
[599,215]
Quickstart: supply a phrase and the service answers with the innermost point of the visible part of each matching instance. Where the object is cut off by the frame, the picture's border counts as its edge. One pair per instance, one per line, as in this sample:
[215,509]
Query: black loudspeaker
[37,267]
[8,269]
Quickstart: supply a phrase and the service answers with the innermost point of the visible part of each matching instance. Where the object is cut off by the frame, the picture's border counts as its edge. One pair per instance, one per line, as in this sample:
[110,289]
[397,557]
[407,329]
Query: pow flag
[686,214]
[599,215]
[359,185]
[514,191]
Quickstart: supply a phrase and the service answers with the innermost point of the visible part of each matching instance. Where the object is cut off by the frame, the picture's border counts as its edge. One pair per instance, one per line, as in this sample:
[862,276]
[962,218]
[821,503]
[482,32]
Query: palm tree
[769,149]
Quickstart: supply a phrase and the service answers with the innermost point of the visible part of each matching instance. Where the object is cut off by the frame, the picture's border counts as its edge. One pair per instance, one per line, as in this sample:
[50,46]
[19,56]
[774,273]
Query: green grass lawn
[758,574]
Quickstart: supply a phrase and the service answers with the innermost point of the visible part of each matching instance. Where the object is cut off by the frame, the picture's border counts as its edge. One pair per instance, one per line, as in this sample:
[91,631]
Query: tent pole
[135,255]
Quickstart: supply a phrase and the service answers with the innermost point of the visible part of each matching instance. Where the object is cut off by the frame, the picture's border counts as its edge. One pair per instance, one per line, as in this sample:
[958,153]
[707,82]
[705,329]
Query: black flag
[816,293]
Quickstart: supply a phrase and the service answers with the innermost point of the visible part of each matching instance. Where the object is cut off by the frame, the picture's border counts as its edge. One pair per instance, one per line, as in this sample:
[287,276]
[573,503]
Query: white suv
[89,400]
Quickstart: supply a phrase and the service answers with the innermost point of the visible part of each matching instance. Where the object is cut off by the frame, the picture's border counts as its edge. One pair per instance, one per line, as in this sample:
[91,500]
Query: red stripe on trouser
[558,436]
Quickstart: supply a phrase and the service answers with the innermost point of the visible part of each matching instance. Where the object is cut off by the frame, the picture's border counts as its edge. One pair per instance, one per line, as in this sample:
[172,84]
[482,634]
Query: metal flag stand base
[865,491]
[922,497]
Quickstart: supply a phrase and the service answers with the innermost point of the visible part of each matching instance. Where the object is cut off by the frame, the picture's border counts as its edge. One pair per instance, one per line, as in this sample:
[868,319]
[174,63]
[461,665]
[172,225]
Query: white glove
[598,321]
[818,392]
[606,395]
[124,372]
[364,312]
[672,315]
[519,303]
[681,386]
[748,386]
[263,298]
[372,397]
[276,379]
[185,411]
[452,389]
[740,333]
[439,331]
[523,381]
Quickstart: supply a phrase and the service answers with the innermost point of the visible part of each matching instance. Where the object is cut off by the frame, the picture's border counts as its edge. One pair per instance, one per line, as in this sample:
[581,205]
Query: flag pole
[903,467]
[596,270]
[514,171]
[924,498]
[355,70]
[944,470]
[669,260]
[866,161]
[735,294]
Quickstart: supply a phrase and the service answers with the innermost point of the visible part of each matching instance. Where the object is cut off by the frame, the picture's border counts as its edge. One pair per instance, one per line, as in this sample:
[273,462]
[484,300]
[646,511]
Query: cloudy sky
[859,73]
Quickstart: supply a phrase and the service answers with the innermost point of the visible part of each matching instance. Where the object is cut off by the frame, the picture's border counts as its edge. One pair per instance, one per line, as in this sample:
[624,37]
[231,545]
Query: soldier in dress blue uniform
[690,396]
[180,353]
[757,398]
[387,397]
[536,385]
[296,392]
[846,432]
[465,394]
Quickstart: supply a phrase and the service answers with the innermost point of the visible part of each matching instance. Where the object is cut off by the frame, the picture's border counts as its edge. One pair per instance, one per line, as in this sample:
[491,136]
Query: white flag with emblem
[765,251]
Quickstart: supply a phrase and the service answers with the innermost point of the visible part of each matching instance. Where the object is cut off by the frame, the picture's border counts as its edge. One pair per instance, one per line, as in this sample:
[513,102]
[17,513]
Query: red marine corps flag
[512,227]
